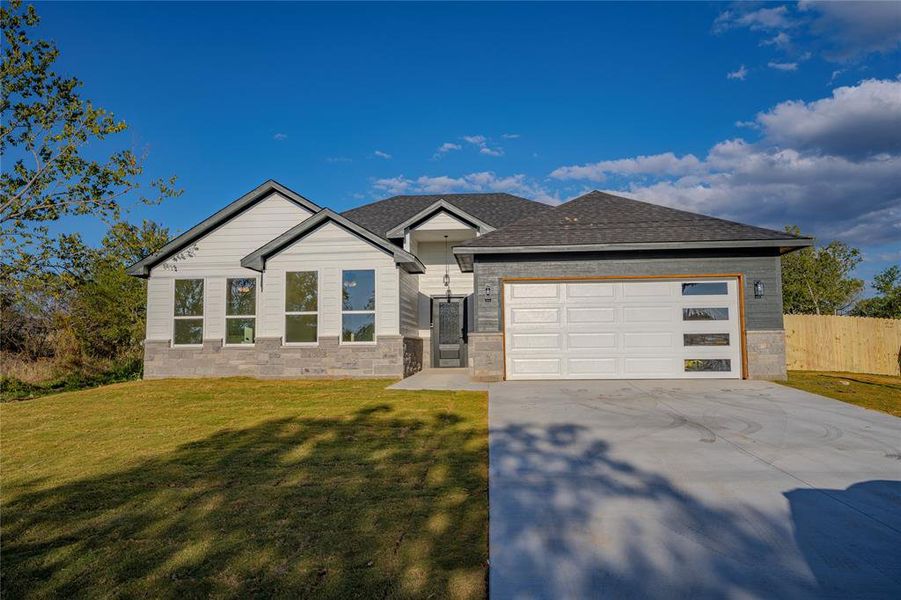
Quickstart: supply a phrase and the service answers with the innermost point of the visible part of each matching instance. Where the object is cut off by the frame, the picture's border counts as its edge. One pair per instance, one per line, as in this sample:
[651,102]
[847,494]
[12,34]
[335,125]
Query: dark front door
[449,332]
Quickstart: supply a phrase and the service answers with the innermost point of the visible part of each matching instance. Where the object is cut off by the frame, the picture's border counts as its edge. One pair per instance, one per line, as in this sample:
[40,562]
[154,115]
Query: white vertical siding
[215,257]
[159,308]
[329,250]
[214,308]
[409,303]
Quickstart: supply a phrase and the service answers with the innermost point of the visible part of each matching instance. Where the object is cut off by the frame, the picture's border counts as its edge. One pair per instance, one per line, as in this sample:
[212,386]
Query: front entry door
[449,332]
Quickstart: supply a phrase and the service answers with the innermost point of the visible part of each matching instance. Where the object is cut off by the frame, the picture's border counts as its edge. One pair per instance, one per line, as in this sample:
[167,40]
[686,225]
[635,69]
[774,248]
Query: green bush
[14,389]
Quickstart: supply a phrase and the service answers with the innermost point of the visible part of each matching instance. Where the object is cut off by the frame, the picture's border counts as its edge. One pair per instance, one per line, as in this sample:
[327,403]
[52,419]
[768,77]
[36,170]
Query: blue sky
[764,113]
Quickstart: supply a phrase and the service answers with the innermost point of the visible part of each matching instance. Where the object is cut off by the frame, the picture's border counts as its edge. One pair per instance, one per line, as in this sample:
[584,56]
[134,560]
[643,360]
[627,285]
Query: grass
[239,487]
[877,392]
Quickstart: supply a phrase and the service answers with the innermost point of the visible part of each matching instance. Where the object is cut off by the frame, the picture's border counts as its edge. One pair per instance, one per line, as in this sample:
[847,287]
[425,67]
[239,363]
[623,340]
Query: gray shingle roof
[598,218]
[496,210]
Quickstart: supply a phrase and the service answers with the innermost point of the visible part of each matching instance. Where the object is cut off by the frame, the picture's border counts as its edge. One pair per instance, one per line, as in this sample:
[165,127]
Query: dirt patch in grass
[244,488]
[878,392]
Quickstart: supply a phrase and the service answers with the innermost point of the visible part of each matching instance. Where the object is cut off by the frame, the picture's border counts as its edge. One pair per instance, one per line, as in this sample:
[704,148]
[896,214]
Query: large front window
[240,310]
[301,307]
[358,306]
[187,328]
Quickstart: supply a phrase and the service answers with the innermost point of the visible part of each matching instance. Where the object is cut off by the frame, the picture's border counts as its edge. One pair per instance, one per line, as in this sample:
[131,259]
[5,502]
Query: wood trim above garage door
[741,302]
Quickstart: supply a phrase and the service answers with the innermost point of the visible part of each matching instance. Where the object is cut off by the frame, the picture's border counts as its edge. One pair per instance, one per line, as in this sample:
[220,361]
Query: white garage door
[631,329]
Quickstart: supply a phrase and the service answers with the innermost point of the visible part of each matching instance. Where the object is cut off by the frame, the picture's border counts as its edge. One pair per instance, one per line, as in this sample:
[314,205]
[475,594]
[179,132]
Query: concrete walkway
[440,379]
[690,489]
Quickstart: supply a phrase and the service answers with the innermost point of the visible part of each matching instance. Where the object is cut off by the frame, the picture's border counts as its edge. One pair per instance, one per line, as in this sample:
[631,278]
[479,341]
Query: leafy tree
[817,280]
[887,304]
[45,131]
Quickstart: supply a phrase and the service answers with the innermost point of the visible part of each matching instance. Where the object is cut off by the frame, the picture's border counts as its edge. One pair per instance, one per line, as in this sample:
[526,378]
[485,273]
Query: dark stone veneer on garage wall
[756,265]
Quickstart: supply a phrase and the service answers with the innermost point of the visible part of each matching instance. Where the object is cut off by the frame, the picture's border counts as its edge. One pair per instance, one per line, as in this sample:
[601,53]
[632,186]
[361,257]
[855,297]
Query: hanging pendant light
[446,267]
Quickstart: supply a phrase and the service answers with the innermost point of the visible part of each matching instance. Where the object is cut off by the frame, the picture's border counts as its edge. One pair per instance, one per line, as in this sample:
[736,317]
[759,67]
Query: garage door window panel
[705,339]
[705,314]
[707,365]
[705,288]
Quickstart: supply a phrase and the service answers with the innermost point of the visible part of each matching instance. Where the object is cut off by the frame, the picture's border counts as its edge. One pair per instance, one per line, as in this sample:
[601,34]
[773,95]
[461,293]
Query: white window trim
[373,312]
[256,319]
[316,312]
[173,318]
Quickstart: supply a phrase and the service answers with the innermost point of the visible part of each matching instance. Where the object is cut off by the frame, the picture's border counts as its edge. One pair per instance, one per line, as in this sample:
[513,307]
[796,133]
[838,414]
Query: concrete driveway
[665,489]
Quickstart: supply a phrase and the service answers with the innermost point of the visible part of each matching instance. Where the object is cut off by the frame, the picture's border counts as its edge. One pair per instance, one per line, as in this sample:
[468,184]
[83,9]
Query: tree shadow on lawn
[370,505]
[571,519]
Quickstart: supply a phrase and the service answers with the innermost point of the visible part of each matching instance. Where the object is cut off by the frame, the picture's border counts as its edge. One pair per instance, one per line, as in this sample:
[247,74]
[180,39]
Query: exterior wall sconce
[758,289]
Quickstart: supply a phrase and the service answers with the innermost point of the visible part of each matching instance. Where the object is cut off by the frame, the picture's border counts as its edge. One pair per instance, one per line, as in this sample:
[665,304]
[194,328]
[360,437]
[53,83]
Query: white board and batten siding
[329,250]
[409,303]
[215,257]
[614,330]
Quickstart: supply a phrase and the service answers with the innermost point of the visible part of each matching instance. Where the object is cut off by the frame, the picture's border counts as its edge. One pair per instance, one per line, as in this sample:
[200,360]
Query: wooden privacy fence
[832,343]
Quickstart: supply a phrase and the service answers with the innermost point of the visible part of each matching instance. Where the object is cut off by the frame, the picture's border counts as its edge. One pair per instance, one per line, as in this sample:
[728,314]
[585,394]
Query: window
[240,310]
[188,326]
[705,314]
[301,306]
[705,339]
[695,365]
[358,306]
[704,288]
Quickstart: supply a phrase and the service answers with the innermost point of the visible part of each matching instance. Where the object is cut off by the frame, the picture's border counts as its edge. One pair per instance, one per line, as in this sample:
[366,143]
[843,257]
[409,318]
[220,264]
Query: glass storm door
[448,336]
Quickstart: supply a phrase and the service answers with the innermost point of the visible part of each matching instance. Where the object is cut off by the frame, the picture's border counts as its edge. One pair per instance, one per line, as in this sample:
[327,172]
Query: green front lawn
[244,488]
[878,392]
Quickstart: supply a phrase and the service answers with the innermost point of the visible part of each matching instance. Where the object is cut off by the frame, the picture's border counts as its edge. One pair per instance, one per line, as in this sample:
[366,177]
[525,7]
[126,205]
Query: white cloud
[783,66]
[380,154]
[481,142]
[739,73]
[666,163]
[852,29]
[278,137]
[444,149]
[761,19]
[510,136]
[855,121]
[780,40]
[484,181]
[832,166]
[842,31]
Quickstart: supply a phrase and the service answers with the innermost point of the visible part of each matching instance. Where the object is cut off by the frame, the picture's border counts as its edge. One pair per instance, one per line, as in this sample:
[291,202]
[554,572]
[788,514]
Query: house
[274,285]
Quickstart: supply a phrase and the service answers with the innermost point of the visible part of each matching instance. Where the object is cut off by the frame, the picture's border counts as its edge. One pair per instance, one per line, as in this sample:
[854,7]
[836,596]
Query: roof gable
[256,260]
[142,267]
[431,211]
[494,209]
